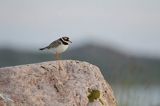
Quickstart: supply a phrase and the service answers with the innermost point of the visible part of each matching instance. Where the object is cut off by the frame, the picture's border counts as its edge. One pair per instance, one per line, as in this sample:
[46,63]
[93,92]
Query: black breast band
[65,43]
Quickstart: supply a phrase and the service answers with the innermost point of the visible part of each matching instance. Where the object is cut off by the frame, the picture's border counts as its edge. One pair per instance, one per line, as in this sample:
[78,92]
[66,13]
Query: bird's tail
[42,48]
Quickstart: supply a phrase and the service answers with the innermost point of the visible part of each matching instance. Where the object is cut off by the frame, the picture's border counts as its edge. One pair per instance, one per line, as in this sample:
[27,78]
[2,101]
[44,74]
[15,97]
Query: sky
[129,25]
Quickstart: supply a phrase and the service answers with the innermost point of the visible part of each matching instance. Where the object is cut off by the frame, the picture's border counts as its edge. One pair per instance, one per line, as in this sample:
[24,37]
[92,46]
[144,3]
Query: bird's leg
[59,56]
[59,63]
[60,68]
[56,56]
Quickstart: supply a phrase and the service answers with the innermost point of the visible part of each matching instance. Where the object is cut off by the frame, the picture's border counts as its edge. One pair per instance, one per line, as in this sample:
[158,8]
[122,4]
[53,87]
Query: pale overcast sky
[130,24]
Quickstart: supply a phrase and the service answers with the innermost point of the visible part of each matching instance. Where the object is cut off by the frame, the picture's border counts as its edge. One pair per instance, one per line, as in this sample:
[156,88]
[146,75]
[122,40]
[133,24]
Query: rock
[55,83]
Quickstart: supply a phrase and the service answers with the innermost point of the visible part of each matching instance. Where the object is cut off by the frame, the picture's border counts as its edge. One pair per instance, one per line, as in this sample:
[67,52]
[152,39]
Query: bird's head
[66,39]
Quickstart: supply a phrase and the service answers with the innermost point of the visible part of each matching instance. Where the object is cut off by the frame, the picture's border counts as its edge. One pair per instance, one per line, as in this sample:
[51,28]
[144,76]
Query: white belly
[59,49]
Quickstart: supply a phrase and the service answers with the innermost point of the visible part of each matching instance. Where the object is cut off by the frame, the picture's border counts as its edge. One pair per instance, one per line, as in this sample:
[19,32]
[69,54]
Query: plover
[58,46]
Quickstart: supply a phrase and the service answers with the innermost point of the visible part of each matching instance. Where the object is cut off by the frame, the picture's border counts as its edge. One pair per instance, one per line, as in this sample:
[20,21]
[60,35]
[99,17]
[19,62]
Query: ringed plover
[58,46]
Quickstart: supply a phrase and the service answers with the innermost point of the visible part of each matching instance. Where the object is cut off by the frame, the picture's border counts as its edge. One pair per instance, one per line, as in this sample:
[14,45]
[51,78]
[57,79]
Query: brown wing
[54,44]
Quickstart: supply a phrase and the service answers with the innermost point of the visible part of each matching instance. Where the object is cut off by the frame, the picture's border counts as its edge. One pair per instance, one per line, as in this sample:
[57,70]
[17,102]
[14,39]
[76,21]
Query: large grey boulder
[55,83]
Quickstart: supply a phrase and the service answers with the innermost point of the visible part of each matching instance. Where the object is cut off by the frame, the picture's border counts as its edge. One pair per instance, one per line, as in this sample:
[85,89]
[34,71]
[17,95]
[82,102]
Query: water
[137,95]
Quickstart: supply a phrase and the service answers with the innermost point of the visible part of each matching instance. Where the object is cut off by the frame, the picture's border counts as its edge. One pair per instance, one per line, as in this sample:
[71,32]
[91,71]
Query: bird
[58,46]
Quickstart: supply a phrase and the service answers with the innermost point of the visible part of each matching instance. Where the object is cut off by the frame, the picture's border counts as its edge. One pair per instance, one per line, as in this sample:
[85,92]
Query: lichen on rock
[94,94]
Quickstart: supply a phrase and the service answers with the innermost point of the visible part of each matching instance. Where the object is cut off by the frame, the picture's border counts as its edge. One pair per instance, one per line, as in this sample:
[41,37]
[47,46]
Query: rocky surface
[54,83]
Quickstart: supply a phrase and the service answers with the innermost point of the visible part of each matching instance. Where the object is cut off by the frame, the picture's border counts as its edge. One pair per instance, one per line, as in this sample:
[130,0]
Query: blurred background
[122,37]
